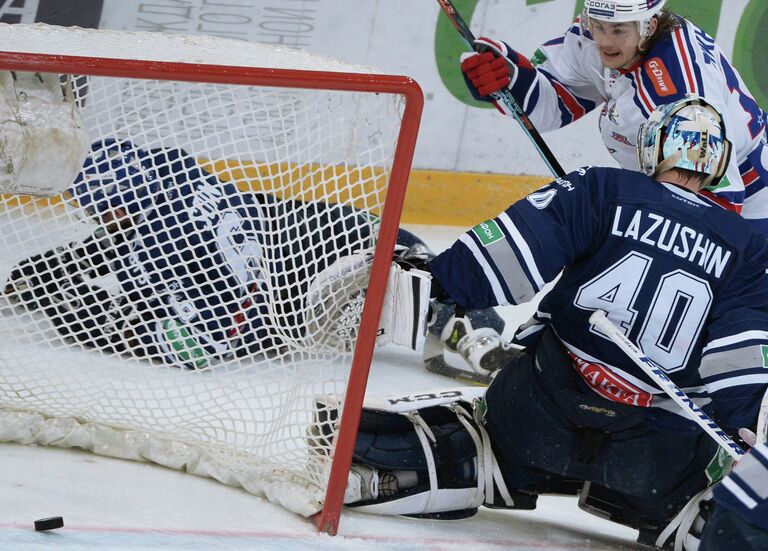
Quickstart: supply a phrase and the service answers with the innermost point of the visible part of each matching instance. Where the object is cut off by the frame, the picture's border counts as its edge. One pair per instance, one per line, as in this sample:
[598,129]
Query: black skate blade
[446,515]
[438,366]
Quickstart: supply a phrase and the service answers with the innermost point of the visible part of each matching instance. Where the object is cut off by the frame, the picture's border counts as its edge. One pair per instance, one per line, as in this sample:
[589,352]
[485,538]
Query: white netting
[156,311]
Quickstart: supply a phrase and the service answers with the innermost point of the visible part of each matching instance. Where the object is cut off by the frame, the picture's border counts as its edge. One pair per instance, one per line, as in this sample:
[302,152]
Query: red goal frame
[327,520]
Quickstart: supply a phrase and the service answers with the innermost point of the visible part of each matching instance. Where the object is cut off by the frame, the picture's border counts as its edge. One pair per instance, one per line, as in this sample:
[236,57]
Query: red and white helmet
[622,11]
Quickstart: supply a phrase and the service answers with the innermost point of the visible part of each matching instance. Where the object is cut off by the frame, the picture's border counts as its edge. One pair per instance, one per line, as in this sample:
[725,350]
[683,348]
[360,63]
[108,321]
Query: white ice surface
[115,504]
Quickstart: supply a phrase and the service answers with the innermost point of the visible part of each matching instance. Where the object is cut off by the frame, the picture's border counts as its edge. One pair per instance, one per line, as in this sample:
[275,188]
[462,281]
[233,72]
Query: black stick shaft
[505,95]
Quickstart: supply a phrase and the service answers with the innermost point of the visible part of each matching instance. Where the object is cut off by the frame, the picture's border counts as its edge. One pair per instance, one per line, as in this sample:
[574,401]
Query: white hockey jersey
[567,80]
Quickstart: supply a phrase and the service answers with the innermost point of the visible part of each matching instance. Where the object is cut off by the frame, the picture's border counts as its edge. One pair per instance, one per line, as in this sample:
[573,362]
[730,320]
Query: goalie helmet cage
[241,420]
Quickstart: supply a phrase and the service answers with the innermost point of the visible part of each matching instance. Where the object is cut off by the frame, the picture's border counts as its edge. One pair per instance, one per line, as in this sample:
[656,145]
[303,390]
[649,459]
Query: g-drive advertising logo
[82,13]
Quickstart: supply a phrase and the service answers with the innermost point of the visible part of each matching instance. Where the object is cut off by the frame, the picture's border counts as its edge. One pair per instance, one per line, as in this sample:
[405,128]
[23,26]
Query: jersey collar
[691,196]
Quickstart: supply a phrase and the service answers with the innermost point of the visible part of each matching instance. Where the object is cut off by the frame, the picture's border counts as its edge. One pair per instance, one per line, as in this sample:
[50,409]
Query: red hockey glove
[487,73]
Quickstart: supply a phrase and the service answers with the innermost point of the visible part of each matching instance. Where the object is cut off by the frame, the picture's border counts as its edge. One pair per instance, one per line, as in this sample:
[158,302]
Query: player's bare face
[115,220]
[618,43]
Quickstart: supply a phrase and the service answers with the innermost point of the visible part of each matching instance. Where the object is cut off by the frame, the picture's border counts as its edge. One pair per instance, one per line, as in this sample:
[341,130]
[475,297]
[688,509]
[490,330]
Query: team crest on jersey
[764,350]
[660,77]
[621,138]
[542,199]
[613,115]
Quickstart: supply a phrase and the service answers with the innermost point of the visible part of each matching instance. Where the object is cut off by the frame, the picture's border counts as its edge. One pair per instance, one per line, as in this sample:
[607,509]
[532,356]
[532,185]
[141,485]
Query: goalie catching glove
[336,297]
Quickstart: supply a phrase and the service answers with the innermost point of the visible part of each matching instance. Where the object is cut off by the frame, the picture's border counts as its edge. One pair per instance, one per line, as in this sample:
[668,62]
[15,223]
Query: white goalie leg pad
[406,307]
[436,499]
[43,138]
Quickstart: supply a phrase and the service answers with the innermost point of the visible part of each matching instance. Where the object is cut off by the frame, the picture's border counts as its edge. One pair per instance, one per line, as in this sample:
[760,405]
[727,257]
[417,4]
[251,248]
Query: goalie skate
[465,353]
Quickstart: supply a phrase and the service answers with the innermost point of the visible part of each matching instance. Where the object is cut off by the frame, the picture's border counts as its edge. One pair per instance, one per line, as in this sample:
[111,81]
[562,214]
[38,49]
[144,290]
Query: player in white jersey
[626,57]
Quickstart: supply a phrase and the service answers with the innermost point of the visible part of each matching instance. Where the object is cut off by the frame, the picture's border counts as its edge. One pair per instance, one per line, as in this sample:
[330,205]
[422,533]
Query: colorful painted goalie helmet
[622,11]
[688,134]
[116,174]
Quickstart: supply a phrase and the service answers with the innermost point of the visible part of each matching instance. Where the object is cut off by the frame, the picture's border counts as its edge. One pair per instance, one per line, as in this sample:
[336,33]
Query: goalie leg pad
[425,455]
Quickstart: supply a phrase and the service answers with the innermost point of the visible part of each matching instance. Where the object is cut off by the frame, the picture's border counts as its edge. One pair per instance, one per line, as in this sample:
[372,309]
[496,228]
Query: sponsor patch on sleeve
[488,232]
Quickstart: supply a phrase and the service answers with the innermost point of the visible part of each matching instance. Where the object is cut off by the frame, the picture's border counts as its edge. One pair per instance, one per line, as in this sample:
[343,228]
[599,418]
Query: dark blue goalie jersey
[214,272]
[682,278]
[191,264]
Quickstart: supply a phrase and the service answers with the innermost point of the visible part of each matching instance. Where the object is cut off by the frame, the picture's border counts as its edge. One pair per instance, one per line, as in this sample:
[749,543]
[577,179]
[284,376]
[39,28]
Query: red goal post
[224,74]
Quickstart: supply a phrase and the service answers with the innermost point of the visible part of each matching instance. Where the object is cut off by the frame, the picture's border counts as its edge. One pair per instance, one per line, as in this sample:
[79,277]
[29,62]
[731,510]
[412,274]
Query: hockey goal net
[156,310]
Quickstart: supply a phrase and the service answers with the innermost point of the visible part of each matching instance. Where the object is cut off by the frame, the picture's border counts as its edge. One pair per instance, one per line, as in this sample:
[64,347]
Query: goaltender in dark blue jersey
[570,413]
[204,271]
[681,277]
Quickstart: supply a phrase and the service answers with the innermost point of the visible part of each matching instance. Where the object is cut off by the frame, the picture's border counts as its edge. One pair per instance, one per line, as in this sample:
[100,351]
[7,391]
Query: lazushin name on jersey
[670,236]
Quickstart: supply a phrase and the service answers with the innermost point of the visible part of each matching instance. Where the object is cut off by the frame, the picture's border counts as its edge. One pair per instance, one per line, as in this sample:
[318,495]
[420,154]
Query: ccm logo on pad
[660,77]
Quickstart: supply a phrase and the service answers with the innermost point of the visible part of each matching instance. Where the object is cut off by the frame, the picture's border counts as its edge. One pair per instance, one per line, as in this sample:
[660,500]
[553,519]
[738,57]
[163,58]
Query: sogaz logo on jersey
[488,232]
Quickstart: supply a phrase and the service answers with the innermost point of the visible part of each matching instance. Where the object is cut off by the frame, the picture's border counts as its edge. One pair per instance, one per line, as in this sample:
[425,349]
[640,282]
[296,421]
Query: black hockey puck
[50,523]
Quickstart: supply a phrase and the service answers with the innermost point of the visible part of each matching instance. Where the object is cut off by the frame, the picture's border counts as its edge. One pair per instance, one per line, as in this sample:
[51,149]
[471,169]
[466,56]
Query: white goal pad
[43,139]
[155,309]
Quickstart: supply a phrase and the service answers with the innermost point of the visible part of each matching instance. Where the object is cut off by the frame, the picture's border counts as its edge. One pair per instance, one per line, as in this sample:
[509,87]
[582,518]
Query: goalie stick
[600,320]
[762,421]
[505,96]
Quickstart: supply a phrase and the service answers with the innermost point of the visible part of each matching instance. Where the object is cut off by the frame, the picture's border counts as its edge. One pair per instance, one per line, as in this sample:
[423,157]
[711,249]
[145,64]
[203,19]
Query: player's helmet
[688,134]
[116,174]
[622,11]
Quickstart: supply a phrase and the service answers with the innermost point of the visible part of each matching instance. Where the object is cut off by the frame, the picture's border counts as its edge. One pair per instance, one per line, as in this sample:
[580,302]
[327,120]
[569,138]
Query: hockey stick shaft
[505,95]
[601,321]
[762,421]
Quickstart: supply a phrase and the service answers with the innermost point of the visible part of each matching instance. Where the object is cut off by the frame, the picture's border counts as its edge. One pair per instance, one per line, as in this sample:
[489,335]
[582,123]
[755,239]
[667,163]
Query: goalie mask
[623,11]
[115,175]
[688,134]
